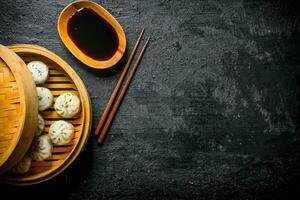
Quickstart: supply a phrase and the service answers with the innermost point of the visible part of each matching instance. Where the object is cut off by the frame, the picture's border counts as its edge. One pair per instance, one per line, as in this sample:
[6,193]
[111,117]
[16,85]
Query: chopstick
[120,97]
[117,88]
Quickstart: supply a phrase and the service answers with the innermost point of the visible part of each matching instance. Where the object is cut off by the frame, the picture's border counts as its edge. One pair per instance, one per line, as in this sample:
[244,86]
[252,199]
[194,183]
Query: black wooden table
[213,109]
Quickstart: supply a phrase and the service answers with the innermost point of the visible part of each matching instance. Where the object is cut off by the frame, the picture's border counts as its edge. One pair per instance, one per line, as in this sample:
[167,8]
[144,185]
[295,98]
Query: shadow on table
[59,187]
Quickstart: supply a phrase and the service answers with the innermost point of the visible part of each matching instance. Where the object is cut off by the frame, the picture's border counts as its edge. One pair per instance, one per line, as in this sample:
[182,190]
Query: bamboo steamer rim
[23,136]
[86,106]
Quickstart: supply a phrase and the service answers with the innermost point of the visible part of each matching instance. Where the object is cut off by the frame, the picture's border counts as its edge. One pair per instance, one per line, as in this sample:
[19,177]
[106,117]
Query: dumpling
[41,148]
[40,126]
[67,104]
[61,132]
[45,98]
[23,166]
[39,71]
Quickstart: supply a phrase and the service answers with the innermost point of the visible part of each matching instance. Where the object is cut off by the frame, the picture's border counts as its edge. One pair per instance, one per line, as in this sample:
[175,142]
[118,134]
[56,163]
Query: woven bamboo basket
[62,78]
[18,109]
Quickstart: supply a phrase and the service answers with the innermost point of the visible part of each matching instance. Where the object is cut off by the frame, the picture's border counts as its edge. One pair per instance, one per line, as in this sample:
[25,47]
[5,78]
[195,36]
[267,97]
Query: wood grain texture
[118,85]
[62,30]
[64,80]
[212,113]
[119,99]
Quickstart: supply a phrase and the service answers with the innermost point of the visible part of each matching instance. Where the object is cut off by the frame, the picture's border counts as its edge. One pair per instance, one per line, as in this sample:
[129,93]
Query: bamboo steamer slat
[62,79]
[18,109]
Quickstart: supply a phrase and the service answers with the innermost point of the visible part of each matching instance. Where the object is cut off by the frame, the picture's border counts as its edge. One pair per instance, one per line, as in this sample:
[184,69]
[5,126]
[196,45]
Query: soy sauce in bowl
[92,34]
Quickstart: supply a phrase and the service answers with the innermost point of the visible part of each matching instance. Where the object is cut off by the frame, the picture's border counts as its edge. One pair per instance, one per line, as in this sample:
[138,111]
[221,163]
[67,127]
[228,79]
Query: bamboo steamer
[62,78]
[18,109]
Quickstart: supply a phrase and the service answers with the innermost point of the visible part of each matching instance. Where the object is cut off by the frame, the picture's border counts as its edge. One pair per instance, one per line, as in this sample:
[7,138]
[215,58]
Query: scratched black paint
[212,112]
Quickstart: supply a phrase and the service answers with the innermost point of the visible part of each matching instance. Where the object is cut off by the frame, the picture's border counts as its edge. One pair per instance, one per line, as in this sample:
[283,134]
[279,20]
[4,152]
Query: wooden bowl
[18,109]
[63,20]
[62,79]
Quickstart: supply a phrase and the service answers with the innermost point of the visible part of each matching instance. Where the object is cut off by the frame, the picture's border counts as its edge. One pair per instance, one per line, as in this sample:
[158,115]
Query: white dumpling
[39,71]
[45,98]
[40,126]
[23,166]
[41,148]
[61,132]
[67,104]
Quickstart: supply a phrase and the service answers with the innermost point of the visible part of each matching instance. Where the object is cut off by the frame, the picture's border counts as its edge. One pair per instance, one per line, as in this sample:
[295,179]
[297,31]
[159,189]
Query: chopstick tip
[142,32]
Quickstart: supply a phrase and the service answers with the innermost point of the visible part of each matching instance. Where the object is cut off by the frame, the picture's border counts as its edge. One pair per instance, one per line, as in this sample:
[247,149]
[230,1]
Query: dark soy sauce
[93,35]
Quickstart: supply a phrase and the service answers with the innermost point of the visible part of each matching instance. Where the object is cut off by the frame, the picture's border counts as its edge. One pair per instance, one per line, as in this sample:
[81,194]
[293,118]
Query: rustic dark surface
[212,112]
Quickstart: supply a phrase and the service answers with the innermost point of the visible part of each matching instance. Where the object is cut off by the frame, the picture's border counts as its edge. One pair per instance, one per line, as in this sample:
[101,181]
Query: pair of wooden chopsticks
[111,109]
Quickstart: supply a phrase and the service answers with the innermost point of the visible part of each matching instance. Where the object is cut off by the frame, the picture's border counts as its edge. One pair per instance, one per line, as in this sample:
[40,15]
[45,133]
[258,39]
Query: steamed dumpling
[45,98]
[40,126]
[23,166]
[67,104]
[39,71]
[61,132]
[41,148]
